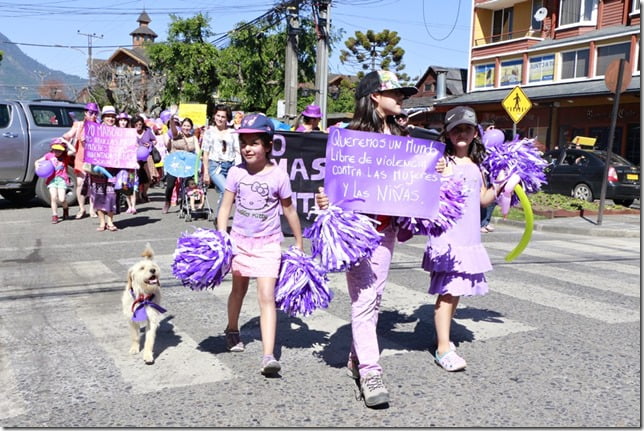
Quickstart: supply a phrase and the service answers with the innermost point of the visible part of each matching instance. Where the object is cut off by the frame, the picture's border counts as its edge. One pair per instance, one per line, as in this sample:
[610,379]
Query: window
[502,24]
[45,117]
[635,8]
[536,5]
[484,76]
[511,72]
[5,116]
[541,68]
[606,54]
[574,64]
[430,87]
[577,12]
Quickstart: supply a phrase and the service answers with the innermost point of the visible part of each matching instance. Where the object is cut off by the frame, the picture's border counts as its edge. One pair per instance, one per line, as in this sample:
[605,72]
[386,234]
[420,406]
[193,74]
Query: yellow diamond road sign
[516,104]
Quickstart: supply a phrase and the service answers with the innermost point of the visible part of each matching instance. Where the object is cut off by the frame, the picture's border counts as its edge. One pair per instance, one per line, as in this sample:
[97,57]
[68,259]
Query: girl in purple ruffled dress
[456,259]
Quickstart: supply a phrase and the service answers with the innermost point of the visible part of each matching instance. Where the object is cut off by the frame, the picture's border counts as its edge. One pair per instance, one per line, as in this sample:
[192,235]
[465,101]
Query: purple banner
[382,174]
[110,147]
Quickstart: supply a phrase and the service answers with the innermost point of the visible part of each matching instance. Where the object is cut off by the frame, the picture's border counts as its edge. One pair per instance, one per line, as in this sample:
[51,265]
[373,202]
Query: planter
[550,213]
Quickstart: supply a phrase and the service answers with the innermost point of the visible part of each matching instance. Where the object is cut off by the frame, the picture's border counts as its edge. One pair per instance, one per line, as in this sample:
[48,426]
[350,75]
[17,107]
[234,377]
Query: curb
[599,231]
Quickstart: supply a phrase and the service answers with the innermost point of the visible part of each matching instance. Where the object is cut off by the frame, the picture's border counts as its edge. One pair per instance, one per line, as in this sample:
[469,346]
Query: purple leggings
[366,283]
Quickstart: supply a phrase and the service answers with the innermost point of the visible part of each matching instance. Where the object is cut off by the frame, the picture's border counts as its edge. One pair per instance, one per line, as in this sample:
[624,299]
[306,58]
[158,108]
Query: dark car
[579,173]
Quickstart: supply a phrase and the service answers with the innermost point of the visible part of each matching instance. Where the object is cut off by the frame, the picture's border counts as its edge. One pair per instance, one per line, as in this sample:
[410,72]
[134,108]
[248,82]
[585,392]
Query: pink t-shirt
[60,167]
[257,199]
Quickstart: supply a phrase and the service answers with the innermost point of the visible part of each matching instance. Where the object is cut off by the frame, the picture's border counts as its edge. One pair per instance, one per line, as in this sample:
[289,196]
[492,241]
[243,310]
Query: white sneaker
[373,389]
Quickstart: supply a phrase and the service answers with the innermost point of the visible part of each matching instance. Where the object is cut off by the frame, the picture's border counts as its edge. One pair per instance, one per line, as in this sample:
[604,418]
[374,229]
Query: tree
[373,51]
[187,60]
[52,89]
[129,89]
[251,67]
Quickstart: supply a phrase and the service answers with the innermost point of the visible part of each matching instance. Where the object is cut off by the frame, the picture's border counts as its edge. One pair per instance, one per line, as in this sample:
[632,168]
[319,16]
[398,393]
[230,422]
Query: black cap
[460,115]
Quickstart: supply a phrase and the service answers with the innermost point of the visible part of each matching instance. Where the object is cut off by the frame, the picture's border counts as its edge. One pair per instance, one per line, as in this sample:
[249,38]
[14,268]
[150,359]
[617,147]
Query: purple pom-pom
[520,157]
[342,238]
[302,284]
[202,258]
[450,208]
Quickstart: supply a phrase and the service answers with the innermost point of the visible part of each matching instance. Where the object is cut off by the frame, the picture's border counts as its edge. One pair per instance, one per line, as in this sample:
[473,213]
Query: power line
[458,11]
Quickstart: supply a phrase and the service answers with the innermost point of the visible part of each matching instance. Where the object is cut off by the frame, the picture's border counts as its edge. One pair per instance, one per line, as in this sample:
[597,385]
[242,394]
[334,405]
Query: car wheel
[624,202]
[18,197]
[70,194]
[582,191]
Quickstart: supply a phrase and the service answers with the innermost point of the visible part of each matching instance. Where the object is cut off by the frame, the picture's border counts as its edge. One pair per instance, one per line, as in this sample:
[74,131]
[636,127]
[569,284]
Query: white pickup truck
[26,131]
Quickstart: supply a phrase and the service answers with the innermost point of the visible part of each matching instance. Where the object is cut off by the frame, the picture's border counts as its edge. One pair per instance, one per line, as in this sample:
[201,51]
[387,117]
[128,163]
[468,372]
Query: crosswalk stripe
[111,332]
[589,248]
[583,278]
[11,403]
[79,277]
[597,310]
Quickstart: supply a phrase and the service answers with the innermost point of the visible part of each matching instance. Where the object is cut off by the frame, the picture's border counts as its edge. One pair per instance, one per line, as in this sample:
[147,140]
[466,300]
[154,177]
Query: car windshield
[615,159]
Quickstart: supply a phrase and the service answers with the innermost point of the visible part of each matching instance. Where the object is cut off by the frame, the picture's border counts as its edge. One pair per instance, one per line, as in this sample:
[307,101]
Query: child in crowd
[129,187]
[258,187]
[456,259]
[58,181]
[195,195]
[379,98]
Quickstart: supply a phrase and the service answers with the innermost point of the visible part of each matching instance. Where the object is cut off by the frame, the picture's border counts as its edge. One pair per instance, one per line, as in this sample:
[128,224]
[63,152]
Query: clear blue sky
[433,32]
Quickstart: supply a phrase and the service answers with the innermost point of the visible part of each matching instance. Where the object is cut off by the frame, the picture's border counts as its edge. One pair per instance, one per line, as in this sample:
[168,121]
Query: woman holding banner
[76,135]
[182,140]
[379,98]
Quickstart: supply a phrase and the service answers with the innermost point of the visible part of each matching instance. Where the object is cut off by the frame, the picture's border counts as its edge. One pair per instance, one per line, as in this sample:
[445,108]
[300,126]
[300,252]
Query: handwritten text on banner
[382,174]
[110,147]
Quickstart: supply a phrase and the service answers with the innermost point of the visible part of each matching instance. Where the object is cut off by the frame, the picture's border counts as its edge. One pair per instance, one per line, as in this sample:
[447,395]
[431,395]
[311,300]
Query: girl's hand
[440,165]
[321,199]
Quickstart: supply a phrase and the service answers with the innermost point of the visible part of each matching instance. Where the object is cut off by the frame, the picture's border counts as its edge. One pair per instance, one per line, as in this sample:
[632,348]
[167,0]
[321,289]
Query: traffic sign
[516,104]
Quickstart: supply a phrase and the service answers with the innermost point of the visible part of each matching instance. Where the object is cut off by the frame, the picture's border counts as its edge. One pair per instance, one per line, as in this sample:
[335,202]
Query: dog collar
[139,313]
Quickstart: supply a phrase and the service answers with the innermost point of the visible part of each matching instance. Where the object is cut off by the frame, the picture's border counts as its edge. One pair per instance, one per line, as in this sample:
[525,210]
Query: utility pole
[322,59]
[90,65]
[290,72]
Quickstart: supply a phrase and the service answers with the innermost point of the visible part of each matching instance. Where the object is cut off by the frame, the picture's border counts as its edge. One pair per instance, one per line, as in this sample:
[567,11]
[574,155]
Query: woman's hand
[321,199]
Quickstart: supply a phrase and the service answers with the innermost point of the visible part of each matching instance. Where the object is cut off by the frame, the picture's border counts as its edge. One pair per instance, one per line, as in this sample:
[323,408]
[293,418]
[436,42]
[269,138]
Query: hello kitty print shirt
[257,199]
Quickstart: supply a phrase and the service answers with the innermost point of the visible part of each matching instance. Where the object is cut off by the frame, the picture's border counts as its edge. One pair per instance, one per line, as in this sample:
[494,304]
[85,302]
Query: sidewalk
[619,225]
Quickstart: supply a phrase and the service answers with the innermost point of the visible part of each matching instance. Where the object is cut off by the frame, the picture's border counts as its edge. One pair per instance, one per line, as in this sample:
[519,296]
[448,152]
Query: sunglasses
[92,112]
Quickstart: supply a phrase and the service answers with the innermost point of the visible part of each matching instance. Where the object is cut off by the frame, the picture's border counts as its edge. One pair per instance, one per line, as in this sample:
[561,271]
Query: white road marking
[111,333]
[11,403]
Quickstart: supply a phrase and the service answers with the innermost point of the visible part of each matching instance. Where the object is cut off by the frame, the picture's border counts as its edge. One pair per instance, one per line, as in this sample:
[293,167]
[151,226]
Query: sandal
[80,215]
[100,228]
[450,361]
[233,341]
[112,228]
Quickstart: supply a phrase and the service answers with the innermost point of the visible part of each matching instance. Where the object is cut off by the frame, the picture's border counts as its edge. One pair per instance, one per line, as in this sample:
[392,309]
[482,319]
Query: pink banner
[110,147]
[382,174]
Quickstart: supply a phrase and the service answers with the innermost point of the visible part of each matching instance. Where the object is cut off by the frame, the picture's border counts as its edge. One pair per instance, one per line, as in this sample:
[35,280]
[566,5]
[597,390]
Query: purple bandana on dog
[139,314]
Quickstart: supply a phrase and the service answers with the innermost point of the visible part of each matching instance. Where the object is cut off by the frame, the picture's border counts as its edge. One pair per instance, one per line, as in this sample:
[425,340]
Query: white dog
[141,303]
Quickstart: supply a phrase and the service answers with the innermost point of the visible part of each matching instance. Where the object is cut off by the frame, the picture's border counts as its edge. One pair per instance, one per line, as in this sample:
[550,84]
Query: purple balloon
[493,137]
[165,116]
[142,153]
[44,168]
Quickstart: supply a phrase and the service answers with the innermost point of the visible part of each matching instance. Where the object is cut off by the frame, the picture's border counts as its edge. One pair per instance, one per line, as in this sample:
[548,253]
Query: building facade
[558,52]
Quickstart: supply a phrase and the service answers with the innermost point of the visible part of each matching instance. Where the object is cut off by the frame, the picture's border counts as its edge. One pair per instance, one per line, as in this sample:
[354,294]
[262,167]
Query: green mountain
[20,75]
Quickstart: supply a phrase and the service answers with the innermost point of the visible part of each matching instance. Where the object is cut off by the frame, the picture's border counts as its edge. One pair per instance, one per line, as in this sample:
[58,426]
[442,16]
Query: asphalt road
[556,343]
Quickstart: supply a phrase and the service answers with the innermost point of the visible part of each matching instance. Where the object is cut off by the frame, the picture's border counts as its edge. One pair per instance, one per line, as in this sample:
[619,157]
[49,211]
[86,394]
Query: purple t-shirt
[257,199]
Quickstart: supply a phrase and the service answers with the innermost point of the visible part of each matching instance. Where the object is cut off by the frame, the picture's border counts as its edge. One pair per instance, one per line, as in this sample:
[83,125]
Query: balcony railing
[504,37]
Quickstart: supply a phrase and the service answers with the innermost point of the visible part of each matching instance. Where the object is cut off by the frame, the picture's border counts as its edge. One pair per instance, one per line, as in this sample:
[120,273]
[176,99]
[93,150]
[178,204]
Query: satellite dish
[540,14]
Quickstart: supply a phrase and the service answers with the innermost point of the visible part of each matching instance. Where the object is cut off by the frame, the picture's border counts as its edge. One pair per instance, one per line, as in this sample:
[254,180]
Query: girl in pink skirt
[258,187]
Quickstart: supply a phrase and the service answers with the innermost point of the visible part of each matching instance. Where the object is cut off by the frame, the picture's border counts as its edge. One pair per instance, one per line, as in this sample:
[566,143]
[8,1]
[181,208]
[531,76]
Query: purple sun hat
[256,123]
[92,107]
[312,111]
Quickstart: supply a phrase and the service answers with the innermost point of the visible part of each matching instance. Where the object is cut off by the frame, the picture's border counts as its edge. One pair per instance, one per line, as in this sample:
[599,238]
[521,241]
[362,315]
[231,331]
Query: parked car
[579,173]
[26,131]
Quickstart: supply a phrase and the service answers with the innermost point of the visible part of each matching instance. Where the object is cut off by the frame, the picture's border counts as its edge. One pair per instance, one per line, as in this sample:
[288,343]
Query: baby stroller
[187,167]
